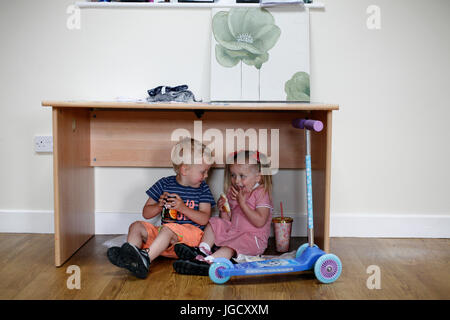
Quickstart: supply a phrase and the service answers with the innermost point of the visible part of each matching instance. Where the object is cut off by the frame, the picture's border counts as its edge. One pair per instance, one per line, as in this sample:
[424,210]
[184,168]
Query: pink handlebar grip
[314,125]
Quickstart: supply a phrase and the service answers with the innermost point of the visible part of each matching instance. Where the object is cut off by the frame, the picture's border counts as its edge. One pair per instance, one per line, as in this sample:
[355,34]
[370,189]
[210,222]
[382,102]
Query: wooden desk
[120,134]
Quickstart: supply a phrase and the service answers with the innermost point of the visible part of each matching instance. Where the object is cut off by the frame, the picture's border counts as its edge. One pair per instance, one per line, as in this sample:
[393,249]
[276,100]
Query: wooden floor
[410,269]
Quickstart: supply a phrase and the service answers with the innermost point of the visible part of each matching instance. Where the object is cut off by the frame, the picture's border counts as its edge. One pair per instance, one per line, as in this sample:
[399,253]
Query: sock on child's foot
[207,259]
[205,248]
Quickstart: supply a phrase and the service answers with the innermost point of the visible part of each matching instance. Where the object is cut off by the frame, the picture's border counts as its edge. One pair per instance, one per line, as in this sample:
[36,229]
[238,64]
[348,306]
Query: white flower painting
[260,54]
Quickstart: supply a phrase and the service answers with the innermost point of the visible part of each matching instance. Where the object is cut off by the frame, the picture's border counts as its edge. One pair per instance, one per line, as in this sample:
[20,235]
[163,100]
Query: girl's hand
[225,215]
[220,204]
[234,192]
[176,203]
[238,195]
[241,197]
[222,212]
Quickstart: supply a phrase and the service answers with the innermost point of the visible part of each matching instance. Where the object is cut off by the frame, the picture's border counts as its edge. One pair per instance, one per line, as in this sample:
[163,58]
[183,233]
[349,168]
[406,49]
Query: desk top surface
[228,106]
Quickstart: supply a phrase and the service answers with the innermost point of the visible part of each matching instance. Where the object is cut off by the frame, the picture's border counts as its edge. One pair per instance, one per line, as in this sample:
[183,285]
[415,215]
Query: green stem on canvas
[241,79]
[259,84]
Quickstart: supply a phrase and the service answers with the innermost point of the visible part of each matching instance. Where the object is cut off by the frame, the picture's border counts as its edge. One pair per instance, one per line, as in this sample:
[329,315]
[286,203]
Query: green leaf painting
[297,88]
[244,34]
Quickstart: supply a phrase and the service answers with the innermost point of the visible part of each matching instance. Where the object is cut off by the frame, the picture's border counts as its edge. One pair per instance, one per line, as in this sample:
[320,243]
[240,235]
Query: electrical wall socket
[43,144]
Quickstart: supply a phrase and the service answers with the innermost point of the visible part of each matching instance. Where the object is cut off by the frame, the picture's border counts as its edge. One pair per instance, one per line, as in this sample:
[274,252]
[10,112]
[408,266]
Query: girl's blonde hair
[250,158]
[189,151]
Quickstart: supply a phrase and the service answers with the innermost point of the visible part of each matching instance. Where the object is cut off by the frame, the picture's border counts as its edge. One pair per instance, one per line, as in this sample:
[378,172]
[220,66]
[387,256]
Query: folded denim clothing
[166,94]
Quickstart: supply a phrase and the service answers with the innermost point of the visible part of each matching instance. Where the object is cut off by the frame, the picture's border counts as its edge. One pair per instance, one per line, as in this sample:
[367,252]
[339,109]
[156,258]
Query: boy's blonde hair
[189,151]
[251,158]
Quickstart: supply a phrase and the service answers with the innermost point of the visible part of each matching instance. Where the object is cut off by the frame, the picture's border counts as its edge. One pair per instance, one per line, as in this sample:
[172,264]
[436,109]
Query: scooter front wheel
[214,274]
[328,268]
[301,249]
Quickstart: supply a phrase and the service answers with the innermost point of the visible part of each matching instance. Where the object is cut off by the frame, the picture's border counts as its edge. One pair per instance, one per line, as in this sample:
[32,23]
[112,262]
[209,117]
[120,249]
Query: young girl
[244,231]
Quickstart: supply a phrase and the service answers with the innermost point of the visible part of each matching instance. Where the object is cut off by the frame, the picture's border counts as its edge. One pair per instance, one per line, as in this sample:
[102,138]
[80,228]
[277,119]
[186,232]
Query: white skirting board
[373,225]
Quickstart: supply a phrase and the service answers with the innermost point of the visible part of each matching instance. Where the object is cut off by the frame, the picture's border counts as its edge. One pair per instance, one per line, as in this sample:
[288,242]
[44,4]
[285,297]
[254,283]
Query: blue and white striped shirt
[191,197]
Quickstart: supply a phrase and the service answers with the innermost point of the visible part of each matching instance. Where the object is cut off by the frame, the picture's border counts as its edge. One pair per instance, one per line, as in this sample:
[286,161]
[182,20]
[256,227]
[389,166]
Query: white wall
[390,137]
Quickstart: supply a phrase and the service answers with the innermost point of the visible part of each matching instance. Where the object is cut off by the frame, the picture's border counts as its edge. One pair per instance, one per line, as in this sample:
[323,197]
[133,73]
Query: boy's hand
[162,199]
[176,203]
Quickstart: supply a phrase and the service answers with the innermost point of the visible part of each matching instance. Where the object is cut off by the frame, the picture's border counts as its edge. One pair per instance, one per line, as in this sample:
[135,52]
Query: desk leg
[73,182]
[321,176]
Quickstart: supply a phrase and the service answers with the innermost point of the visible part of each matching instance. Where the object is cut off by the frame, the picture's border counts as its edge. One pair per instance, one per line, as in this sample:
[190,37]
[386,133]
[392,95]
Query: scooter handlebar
[314,125]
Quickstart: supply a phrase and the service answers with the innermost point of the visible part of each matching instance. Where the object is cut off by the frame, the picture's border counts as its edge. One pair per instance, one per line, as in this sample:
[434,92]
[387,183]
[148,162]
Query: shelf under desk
[88,134]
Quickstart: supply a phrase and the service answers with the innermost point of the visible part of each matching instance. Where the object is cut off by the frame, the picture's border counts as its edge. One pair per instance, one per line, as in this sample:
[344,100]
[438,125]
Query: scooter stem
[309,200]
[316,126]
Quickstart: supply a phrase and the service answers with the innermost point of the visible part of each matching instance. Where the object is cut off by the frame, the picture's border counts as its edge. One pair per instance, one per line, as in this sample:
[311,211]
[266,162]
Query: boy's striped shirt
[191,197]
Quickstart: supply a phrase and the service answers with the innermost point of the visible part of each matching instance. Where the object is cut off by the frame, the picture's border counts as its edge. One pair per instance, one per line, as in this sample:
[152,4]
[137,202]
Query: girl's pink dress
[239,234]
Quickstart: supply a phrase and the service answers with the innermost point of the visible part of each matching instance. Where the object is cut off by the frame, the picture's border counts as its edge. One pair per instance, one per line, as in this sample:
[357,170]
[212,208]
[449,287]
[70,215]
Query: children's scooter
[327,267]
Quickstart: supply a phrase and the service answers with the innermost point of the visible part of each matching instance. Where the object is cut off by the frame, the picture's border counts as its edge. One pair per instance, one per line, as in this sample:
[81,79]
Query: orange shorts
[186,233]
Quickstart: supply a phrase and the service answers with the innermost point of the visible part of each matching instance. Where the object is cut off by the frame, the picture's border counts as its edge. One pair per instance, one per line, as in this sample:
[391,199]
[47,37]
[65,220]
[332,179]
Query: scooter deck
[274,266]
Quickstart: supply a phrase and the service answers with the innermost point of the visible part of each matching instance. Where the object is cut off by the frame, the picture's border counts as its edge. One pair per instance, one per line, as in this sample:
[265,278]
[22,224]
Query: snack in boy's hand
[167,212]
[226,204]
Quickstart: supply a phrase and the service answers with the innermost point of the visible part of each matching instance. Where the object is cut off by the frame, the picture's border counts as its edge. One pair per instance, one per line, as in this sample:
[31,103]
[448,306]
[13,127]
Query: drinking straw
[281,206]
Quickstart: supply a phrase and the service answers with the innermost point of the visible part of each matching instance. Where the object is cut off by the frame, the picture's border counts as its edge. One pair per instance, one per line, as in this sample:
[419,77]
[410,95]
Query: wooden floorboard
[410,269]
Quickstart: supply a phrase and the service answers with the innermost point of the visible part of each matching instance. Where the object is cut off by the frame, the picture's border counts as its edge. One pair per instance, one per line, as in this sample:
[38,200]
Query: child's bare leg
[163,240]
[208,235]
[224,252]
[137,234]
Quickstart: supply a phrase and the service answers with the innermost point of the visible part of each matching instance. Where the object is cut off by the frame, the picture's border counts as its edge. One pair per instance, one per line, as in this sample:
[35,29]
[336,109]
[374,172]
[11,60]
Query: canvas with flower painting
[260,54]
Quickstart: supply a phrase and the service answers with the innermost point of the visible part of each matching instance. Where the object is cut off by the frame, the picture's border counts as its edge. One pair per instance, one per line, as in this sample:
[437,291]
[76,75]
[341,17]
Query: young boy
[187,200]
